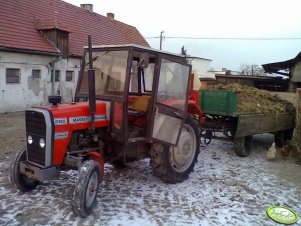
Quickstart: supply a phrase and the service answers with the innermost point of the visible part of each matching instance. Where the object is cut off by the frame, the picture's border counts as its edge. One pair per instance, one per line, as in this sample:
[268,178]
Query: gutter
[13,50]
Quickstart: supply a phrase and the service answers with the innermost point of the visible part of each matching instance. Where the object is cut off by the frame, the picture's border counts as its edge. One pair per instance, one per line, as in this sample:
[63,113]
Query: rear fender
[194,109]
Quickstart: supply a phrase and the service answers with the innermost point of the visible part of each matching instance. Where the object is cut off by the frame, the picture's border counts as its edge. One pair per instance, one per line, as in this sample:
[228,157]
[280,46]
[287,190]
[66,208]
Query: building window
[57,75]
[36,73]
[69,76]
[12,75]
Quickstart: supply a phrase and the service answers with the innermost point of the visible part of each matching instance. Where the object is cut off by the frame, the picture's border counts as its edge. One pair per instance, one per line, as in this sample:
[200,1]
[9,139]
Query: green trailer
[220,110]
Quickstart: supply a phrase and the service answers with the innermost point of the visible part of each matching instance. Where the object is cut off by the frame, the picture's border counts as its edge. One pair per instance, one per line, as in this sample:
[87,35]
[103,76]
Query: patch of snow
[223,190]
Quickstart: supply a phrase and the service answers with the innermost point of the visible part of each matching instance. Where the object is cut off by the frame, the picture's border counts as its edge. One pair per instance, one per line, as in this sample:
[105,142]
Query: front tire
[174,164]
[20,181]
[86,189]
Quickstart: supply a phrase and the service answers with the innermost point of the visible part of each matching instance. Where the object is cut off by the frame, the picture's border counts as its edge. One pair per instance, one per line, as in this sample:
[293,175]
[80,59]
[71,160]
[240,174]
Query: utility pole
[161,39]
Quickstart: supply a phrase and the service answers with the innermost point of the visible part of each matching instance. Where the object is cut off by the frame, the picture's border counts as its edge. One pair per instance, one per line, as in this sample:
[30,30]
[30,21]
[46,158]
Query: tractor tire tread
[21,182]
[78,201]
[160,163]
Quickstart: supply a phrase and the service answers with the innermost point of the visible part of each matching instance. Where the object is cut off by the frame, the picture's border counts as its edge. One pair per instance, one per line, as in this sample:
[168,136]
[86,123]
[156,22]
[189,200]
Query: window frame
[18,72]
[72,76]
[34,76]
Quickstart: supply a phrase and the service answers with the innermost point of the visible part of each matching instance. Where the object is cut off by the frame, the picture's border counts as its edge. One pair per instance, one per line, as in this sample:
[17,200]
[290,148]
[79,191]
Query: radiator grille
[36,127]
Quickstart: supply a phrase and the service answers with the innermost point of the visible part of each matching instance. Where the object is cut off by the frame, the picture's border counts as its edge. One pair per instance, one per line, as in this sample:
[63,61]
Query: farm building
[41,46]
[290,68]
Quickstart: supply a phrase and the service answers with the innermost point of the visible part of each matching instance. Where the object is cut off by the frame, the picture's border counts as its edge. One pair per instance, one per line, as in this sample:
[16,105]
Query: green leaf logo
[282,214]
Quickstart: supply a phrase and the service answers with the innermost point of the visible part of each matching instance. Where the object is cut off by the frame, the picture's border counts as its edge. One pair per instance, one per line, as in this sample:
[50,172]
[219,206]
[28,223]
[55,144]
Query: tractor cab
[146,91]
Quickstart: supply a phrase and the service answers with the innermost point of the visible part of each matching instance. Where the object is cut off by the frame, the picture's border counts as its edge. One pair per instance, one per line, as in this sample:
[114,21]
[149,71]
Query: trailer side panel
[251,124]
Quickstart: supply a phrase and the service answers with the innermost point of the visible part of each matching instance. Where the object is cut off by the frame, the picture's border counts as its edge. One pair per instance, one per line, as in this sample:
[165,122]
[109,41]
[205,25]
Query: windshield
[110,72]
[173,82]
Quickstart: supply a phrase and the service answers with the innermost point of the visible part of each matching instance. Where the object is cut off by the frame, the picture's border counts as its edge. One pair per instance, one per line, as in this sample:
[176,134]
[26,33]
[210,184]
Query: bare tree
[251,70]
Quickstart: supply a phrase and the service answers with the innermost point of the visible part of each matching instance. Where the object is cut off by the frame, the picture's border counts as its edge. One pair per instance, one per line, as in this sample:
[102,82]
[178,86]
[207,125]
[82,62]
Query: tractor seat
[136,113]
[139,103]
[137,110]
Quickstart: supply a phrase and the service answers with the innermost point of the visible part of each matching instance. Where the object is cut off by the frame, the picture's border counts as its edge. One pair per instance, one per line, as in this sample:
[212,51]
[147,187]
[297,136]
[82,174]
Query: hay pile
[253,100]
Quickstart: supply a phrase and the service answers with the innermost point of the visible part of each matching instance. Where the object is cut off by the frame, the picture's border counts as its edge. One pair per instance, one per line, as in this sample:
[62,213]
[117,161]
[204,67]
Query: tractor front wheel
[174,164]
[86,189]
[19,180]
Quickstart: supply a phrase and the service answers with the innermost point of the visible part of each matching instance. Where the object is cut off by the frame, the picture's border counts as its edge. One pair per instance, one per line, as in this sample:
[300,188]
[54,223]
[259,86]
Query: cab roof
[136,47]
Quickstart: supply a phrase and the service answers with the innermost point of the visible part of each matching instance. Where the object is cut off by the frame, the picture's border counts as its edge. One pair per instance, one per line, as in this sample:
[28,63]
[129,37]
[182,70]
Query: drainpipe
[52,79]
[58,58]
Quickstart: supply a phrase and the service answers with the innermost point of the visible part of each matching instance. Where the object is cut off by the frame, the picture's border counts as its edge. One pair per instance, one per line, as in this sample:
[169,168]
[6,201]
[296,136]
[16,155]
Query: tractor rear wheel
[174,164]
[86,189]
[19,180]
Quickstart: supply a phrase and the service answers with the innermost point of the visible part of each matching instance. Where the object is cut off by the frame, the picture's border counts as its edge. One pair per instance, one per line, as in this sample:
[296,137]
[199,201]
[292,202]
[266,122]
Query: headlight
[29,139]
[42,143]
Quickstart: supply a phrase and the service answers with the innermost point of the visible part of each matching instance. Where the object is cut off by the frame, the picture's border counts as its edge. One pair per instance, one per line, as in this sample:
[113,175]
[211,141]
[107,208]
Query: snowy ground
[223,190]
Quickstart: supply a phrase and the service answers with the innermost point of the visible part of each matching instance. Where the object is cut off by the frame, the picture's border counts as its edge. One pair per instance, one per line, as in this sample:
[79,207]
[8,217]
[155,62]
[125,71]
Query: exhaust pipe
[91,84]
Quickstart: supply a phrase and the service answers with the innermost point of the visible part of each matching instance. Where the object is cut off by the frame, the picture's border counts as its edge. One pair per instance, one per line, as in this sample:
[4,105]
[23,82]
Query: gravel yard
[223,189]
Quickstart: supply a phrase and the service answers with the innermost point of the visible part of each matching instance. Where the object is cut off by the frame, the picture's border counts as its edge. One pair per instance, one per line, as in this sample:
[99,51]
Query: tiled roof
[50,24]
[22,20]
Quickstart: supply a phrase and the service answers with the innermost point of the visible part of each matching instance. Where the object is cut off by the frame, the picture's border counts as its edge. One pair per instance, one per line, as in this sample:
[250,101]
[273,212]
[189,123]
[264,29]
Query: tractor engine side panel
[68,118]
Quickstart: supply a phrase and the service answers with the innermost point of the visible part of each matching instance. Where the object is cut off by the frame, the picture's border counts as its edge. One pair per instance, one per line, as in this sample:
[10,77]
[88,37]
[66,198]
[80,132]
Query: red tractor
[132,102]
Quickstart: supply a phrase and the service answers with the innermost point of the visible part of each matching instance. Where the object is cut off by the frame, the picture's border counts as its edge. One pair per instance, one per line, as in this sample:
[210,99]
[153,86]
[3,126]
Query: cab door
[170,100]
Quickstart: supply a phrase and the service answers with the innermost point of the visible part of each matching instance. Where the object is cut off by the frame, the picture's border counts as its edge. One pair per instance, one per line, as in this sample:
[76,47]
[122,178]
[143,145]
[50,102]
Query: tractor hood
[78,113]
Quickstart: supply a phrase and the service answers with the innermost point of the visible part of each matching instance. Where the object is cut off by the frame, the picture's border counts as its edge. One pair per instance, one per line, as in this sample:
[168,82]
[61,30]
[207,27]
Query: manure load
[253,100]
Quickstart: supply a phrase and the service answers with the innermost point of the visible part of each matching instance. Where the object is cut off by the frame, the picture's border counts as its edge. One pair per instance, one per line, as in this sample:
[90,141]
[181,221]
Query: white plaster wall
[34,92]
[210,74]
[199,66]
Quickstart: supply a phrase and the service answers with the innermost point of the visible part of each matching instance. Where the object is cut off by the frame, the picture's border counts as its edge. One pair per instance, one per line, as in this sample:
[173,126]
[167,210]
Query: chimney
[228,72]
[87,6]
[110,16]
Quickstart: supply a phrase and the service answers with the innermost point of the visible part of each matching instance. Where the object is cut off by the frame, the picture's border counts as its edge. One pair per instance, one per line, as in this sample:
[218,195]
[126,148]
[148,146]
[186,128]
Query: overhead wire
[226,38]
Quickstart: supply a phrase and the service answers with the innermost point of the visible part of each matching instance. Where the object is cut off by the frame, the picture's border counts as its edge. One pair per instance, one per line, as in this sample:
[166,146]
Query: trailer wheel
[174,164]
[281,137]
[86,189]
[19,180]
[243,145]
[119,164]
[206,136]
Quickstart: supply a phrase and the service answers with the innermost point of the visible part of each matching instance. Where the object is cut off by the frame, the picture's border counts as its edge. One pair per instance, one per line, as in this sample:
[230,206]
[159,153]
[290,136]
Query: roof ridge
[123,23]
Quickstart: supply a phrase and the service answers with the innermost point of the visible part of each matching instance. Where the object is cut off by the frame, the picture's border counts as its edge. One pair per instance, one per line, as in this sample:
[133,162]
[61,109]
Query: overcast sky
[214,19]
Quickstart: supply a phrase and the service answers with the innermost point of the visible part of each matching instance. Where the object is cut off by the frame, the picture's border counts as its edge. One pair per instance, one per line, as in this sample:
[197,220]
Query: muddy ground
[12,130]
[223,189]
